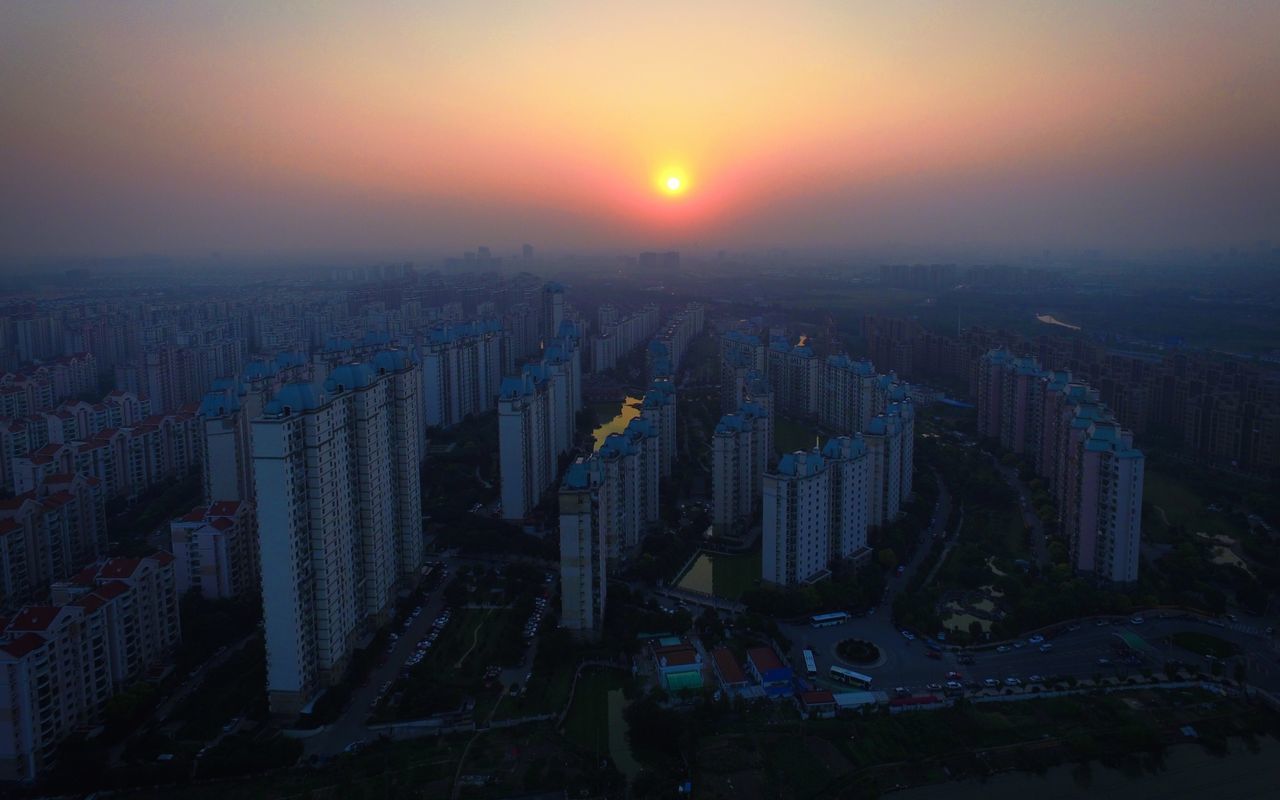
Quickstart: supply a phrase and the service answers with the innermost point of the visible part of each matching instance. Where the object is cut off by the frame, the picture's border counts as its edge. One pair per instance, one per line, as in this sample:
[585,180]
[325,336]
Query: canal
[616,417]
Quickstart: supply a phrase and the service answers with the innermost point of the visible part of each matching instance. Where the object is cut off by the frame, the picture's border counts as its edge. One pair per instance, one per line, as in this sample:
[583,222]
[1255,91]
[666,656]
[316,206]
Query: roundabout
[859,653]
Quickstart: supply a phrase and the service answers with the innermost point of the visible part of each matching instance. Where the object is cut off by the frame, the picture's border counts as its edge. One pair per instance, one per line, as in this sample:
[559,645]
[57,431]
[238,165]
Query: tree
[888,559]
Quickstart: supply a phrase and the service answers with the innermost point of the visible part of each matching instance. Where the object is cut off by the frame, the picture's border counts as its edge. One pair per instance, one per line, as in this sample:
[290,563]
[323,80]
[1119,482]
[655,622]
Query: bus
[827,620]
[810,663]
[849,676]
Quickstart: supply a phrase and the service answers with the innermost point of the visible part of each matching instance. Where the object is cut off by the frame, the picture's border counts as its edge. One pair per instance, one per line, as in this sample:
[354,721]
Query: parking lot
[1083,651]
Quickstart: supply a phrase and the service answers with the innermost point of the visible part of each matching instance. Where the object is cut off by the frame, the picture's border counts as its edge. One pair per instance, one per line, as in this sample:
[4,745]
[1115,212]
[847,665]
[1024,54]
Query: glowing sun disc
[673,184]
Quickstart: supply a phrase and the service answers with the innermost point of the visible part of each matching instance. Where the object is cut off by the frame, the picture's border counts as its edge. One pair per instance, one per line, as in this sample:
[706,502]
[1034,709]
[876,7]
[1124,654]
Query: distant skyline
[187,128]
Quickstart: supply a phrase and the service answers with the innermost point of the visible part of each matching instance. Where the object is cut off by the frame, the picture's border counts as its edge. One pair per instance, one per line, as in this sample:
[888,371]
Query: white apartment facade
[797,520]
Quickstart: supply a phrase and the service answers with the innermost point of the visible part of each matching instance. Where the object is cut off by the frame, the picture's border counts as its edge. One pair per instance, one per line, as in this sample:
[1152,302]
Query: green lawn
[587,724]
[546,693]
[1183,505]
[1013,529]
[733,575]
[789,436]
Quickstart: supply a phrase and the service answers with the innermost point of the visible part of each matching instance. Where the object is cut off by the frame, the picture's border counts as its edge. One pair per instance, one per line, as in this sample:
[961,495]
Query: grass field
[789,436]
[733,575]
[729,576]
[1012,528]
[587,724]
[546,693]
[1183,505]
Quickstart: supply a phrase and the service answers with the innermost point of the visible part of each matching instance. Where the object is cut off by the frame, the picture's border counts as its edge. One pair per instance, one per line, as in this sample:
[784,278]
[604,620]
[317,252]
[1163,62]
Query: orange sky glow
[277,126]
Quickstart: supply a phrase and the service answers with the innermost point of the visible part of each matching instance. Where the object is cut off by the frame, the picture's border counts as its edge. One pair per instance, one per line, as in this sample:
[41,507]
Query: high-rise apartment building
[848,461]
[817,509]
[332,524]
[552,310]
[1075,443]
[846,393]
[537,413]
[60,663]
[215,550]
[739,455]
[659,408]
[883,438]
[526,449]
[48,533]
[797,520]
[462,368]
[583,551]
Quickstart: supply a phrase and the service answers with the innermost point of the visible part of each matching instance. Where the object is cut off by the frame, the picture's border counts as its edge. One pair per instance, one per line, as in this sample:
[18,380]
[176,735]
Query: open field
[1183,505]
[587,724]
[721,575]
[733,575]
[789,436]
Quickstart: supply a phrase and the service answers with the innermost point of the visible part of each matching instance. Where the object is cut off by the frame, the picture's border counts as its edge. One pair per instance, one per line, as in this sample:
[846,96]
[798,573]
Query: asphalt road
[905,663]
[1074,652]
[351,725]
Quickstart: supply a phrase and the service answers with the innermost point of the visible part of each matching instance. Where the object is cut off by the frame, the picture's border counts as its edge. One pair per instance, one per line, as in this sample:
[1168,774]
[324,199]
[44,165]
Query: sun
[671,181]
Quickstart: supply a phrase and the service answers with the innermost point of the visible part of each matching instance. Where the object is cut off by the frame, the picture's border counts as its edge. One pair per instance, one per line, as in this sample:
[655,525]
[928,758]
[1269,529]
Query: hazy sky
[272,126]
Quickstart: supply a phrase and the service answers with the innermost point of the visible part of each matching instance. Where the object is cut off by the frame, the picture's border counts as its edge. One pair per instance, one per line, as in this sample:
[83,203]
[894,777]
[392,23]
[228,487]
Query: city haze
[184,129]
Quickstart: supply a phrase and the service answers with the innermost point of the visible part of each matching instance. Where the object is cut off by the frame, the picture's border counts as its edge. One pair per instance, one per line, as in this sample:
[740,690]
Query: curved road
[1073,652]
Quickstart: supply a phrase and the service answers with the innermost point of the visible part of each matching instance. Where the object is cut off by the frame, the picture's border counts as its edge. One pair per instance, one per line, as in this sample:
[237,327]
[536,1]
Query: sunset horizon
[245,127]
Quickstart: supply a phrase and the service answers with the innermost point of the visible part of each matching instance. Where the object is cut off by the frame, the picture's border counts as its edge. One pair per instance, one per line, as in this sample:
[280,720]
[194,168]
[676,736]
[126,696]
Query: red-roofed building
[927,702]
[727,669]
[819,703]
[679,666]
[94,643]
[142,609]
[29,471]
[765,666]
[215,550]
[48,533]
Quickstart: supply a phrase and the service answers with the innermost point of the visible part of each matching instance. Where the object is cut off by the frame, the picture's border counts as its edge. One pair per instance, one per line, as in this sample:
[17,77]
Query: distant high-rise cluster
[119,442]
[668,347]
[462,369]
[793,372]
[861,477]
[537,412]
[1075,443]
[608,502]
[616,336]
[610,499]
[1217,408]
[304,407]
